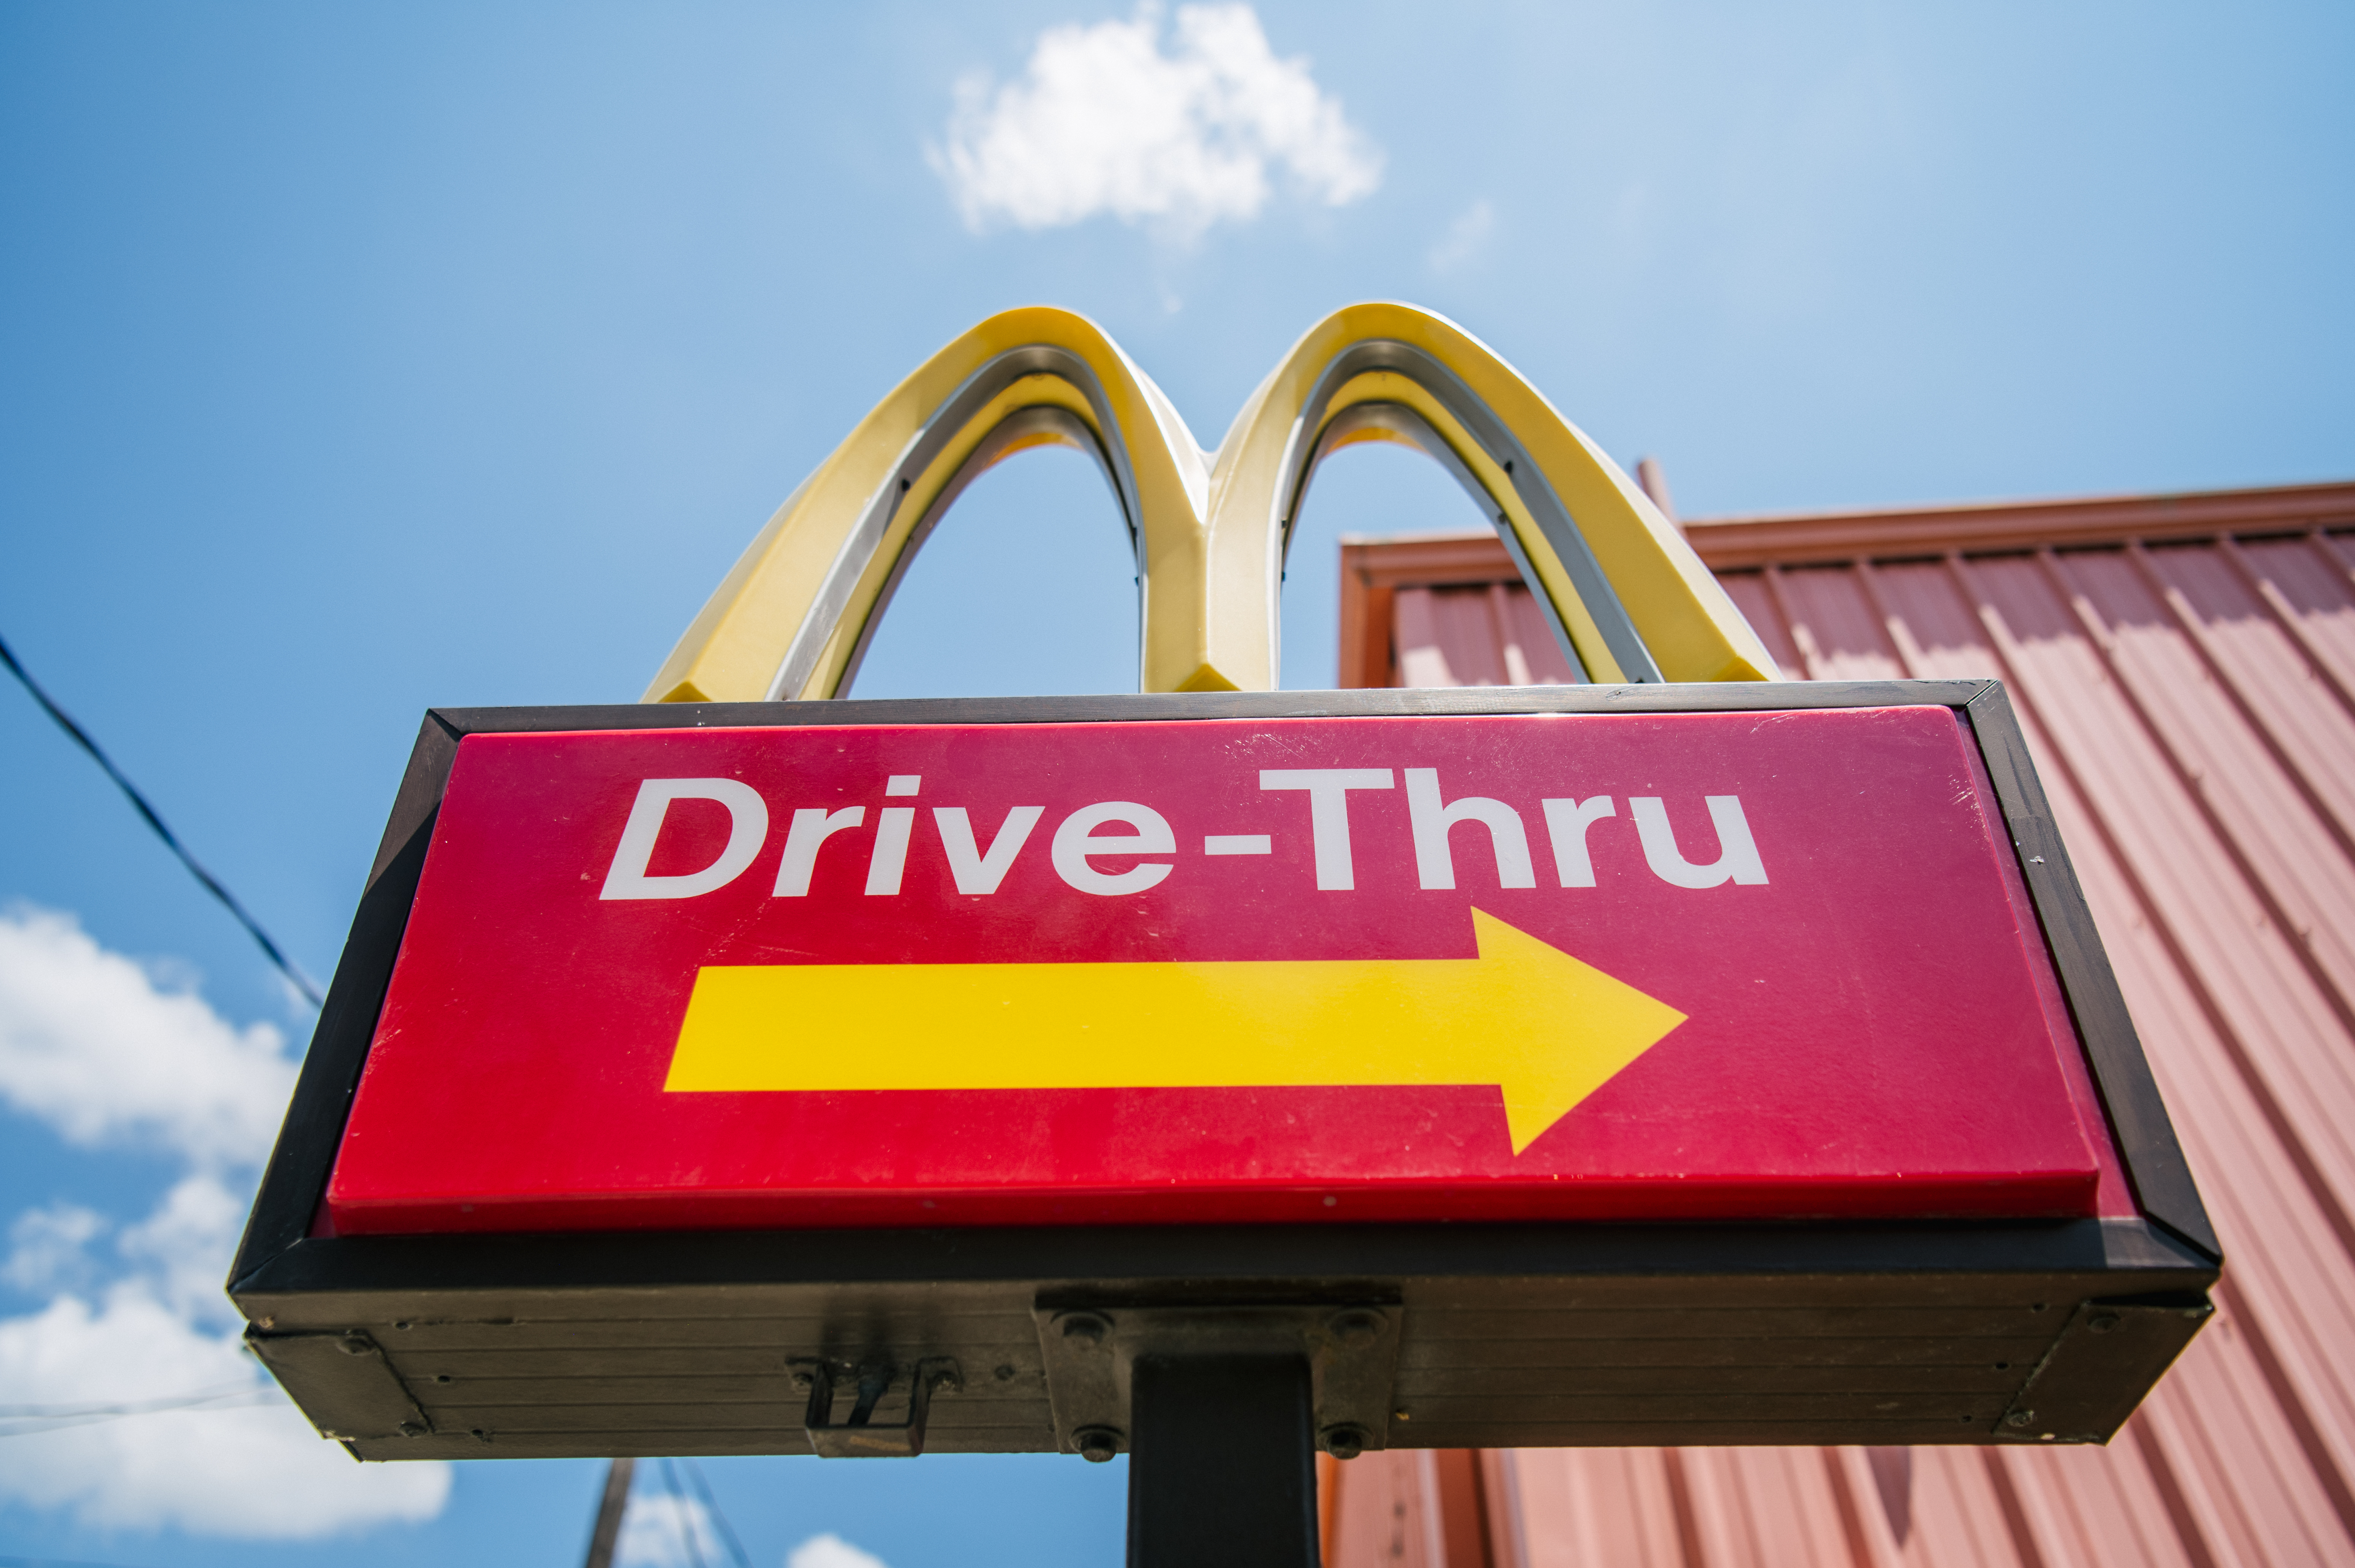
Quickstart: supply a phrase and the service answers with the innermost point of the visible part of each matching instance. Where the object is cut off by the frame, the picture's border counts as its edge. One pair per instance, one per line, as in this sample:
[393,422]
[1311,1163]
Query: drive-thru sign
[1700,965]
[1678,1056]
[1626,1065]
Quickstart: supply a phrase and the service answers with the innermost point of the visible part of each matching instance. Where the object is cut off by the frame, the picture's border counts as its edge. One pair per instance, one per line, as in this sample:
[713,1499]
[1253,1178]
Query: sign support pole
[1222,1463]
[613,1502]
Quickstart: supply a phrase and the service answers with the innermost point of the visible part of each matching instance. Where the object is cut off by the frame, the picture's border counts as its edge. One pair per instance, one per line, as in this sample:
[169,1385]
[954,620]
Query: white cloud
[47,1248]
[1466,238]
[1104,120]
[830,1552]
[95,1045]
[91,1045]
[257,1470]
[184,1247]
[654,1532]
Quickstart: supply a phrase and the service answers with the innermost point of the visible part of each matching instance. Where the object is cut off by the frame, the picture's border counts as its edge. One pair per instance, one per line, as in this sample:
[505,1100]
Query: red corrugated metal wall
[2189,694]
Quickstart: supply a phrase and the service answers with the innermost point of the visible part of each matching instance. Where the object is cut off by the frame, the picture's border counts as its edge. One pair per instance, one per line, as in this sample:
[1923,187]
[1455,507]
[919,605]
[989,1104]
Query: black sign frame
[1571,1334]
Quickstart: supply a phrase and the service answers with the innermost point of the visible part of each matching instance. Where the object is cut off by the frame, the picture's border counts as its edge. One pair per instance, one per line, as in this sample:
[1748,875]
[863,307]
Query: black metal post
[1222,1471]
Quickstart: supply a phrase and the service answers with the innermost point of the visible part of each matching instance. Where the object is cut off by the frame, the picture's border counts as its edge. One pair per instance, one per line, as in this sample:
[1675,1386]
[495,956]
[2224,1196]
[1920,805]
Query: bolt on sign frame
[879,1237]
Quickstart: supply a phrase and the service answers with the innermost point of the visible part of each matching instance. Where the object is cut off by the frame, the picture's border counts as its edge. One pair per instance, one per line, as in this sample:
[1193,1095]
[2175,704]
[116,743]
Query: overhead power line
[120,1407]
[80,736]
[727,1530]
[681,1515]
[26,1420]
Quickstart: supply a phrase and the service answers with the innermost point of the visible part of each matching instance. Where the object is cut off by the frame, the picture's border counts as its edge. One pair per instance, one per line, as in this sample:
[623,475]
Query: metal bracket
[1090,1352]
[859,1438]
[348,1386]
[2104,1358]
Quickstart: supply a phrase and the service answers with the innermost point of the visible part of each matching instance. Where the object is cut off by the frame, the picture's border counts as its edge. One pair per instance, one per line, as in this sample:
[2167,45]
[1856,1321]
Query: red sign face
[1716,965]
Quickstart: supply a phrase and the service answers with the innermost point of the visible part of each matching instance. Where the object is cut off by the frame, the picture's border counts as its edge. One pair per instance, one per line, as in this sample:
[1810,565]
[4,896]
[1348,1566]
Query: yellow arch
[1629,599]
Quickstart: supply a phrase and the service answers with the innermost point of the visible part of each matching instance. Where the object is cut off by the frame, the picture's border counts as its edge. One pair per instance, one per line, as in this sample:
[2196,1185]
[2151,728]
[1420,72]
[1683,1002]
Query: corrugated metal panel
[1488,635]
[2191,701]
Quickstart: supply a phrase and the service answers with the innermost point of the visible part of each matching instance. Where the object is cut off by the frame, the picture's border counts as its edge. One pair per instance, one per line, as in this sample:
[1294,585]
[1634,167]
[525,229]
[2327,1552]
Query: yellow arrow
[1546,1029]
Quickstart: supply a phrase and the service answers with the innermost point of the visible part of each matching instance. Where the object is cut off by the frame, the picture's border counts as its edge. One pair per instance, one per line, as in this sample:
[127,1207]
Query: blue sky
[358,359]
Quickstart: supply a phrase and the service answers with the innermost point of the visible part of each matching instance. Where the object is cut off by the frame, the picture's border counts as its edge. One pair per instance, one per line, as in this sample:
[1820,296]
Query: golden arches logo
[1629,599]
